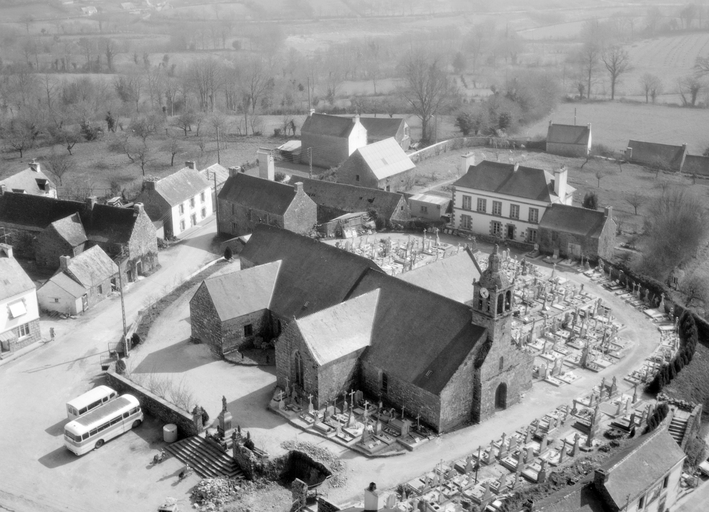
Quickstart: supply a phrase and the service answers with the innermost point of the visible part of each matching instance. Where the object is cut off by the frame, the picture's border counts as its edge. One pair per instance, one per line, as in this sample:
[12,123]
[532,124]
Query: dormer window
[42,185]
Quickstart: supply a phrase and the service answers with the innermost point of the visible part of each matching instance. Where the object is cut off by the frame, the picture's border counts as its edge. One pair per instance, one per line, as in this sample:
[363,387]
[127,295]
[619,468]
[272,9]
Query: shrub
[590,201]
[228,254]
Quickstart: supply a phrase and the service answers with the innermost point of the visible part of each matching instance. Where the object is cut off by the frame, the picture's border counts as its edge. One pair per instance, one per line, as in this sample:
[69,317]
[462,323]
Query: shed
[429,206]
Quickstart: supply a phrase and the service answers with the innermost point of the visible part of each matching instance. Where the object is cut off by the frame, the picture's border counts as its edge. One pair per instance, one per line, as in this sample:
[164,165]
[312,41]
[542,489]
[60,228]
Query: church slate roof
[573,219]
[525,182]
[444,276]
[324,124]
[258,193]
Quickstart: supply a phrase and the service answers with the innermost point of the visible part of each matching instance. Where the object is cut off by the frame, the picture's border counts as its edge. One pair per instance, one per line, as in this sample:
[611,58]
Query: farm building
[30,181]
[429,206]
[340,323]
[382,165]
[572,232]
[380,128]
[336,199]
[663,156]
[63,237]
[81,283]
[330,140]
[346,225]
[178,201]
[506,201]
[247,201]
[19,325]
[568,139]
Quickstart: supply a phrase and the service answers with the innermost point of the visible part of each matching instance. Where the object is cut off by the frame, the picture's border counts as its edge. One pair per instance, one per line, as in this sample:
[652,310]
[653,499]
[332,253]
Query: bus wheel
[136,423]
[99,444]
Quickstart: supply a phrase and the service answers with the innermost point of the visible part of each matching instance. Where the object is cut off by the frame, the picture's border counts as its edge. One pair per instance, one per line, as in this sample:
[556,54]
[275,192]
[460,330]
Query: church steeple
[493,297]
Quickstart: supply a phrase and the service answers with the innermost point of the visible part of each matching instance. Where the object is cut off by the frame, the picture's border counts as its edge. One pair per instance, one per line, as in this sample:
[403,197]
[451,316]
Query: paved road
[36,471]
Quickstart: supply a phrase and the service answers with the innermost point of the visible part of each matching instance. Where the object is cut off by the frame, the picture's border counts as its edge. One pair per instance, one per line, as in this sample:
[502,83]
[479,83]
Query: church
[340,323]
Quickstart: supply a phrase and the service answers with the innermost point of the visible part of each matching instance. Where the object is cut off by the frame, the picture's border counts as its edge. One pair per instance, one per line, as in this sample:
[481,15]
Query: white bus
[102,424]
[89,401]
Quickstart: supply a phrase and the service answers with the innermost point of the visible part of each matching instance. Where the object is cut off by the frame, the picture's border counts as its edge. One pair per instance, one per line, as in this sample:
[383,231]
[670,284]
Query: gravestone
[223,420]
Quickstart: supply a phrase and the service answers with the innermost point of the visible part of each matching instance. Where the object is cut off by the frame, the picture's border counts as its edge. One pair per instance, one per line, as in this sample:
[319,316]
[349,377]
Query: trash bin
[169,433]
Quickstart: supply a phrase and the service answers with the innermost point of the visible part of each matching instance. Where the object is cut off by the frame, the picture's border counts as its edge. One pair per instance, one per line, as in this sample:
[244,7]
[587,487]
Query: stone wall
[698,165]
[237,220]
[447,145]
[50,246]
[154,405]
[288,343]
[302,214]
[204,321]
[547,244]
[354,171]
[234,337]
[328,151]
[337,376]
[143,246]
[457,396]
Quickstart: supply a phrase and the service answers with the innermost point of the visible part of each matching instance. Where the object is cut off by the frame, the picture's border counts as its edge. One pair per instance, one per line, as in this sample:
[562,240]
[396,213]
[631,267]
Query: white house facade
[19,311]
[506,201]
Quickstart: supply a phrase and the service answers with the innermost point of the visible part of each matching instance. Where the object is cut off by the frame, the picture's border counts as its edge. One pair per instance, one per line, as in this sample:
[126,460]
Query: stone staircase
[677,428]
[207,460]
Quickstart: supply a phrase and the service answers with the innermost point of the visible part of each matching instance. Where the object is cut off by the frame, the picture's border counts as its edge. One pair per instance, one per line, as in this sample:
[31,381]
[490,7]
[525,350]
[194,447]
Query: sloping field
[615,123]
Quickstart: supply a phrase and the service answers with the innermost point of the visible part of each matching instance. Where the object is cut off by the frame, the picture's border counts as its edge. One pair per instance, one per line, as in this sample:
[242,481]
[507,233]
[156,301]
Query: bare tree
[254,83]
[617,62]
[110,49]
[21,132]
[185,120]
[652,86]
[600,174]
[174,147]
[59,165]
[138,152]
[588,58]
[689,88]
[426,87]
[635,199]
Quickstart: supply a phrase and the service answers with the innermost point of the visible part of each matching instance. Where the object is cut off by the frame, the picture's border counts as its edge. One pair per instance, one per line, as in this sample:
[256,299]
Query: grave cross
[352,394]
[403,408]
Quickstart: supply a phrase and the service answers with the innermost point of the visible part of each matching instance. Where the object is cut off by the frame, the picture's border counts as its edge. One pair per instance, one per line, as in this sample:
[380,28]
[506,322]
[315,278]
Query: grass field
[614,123]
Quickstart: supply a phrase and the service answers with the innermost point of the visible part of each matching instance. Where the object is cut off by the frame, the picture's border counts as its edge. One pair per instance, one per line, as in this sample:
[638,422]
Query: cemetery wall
[154,405]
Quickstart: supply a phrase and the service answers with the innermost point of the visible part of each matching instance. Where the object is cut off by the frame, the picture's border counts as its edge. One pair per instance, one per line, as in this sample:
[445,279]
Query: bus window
[116,420]
[126,414]
[82,411]
[113,395]
[85,437]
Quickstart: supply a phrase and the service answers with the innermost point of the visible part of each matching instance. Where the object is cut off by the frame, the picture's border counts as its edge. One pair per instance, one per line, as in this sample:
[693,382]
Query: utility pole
[214,200]
[218,159]
[310,159]
[123,306]
[309,101]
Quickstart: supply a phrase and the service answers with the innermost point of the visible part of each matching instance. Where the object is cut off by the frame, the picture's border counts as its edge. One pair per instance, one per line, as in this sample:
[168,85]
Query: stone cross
[310,403]
[352,394]
[223,403]
[635,393]
[402,411]
[577,443]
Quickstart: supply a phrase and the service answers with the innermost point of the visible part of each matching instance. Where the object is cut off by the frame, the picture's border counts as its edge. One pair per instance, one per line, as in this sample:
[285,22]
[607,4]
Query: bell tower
[493,299]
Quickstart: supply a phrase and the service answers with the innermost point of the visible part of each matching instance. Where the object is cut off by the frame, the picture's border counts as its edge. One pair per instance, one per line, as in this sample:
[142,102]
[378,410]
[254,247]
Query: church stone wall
[336,377]
[457,396]
[233,336]
[287,344]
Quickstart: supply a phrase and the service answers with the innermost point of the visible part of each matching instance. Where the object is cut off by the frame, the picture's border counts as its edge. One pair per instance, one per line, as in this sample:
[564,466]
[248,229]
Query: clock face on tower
[484,293]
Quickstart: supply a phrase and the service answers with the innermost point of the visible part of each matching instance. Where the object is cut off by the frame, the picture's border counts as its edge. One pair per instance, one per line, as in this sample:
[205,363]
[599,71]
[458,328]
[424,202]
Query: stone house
[247,201]
[122,232]
[569,139]
[63,237]
[642,476]
[429,206]
[380,128]
[336,199]
[81,282]
[345,324]
[19,321]
[572,232]
[178,201]
[30,181]
[330,139]
[665,156]
[382,165]
[506,201]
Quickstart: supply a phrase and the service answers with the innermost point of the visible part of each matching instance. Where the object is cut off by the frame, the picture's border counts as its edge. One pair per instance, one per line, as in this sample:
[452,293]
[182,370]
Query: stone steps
[207,460]
[677,429]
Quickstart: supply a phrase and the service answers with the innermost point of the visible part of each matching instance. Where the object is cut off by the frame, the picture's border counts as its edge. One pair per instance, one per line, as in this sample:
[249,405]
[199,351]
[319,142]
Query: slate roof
[568,134]
[418,336]
[525,182]
[92,267]
[385,158]
[180,186]
[258,193]
[243,291]
[431,198]
[451,277]
[13,279]
[71,229]
[109,223]
[641,464]
[653,153]
[581,497]
[381,127]
[573,219]
[324,124]
[67,284]
[341,329]
[218,169]
[350,198]
[313,275]
[35,212]
[27,180]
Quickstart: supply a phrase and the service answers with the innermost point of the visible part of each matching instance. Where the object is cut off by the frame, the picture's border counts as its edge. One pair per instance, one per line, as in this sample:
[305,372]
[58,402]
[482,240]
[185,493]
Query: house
[569,139]
[89,10]
[216,175]
[644,475]
[30,181]
[329,140]
[663,156]
[380,128]
[382,165]
[429,206]
[341,323]
[247,201]
[63,237]
[122,232]
[19,323]
[178,201]
[81,282]
[336,199]
[506,201]
[574,232]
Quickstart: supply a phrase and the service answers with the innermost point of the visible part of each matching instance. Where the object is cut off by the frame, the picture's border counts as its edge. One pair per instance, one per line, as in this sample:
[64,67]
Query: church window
[502,363]
[248,330]
[298,369]
[508,300]
[666,482]
[385,383]
[500,299]
[641,502]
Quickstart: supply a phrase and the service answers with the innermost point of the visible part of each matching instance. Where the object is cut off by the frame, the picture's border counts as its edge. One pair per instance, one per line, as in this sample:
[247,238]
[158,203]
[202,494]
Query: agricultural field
[614,123]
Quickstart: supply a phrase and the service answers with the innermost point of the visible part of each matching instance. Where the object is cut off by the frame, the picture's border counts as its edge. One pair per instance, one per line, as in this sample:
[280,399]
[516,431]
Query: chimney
[6,249]
[138,208]
[629,153]
[560,176]
[312,111]
[550,123]
[3,188]
[600,477]
[149,184]
[355,119]
[516,166]
[468,160]
[233,171]
[64,262]
[373,500]
[190,165]
[299,187]
[608,212]
[34,165]
[90,203]
[266,165]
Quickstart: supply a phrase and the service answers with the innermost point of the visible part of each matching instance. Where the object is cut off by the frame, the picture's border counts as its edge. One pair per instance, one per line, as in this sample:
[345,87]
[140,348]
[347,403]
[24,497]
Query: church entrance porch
[501,397]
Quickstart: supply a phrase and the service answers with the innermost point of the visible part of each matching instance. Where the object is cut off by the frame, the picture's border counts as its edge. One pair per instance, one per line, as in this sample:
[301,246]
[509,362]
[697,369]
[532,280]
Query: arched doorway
[501,397]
